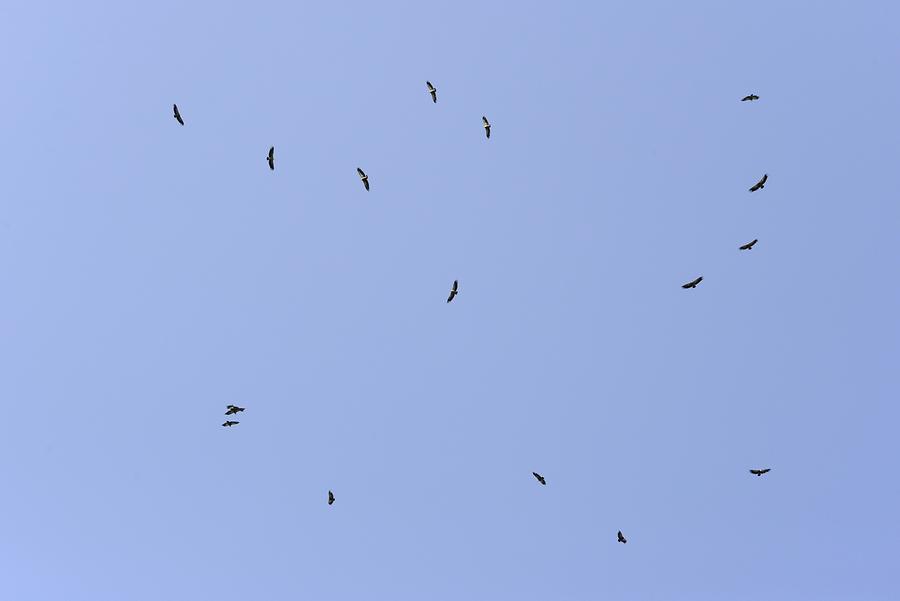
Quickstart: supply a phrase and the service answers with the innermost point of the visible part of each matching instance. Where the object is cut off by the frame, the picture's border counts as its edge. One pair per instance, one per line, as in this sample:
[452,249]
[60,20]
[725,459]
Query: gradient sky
[151,273]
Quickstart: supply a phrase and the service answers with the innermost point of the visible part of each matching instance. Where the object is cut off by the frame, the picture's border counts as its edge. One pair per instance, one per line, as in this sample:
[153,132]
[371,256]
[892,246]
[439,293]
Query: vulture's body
[760,184]
[453,291]
[363,177]
[693,283]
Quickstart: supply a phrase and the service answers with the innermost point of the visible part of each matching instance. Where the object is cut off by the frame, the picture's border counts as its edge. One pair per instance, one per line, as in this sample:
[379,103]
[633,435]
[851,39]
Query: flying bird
[271,158]
[693,283]
[432,90]
[229,423]
[232,409]
[487,126]
[761,183]
[751,97]
[453,291]
[177,114]
[363,177]
[330,497]
[760,472]
[540,478]
[749,245]
[621,538]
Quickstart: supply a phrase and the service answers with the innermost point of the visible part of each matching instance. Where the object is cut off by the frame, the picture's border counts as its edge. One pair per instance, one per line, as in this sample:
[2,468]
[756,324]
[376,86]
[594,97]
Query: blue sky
[152,273]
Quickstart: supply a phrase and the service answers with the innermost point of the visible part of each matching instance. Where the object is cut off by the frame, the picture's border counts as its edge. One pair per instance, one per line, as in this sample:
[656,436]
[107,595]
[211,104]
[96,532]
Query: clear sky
[152,273]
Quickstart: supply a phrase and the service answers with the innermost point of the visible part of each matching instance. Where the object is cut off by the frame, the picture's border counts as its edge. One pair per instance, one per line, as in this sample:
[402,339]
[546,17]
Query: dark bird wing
[271,158]
[745,99]
[749,245]
[539,478]
[177,114]
[486,123]
[361,173]
[620,536]
[760,183]
[432,90]
[693,283]
[330,497]
[455,286]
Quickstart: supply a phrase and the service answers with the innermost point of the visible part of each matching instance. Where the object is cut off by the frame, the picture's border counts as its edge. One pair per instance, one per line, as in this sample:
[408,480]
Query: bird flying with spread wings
[229,423]
[749,245]
[330,497]
[539,478]
[271,158]
[432,90]
[487,126]
[177,114]
[760,472]
[693,283]
[621,538]
[232,409]
[363,177]
[453,291]
[750,97]
[761,183]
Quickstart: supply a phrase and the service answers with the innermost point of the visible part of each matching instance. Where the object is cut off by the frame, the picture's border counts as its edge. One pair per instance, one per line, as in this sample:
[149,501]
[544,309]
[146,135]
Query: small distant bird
[749,245]
[177,114]
[760,472]
[330,497]
[432,90]
[540,478]
[363,177]
[453,291]
[621,538]
[761,183]
[751,97]
[229,423]
[271,158]
[487,126]
[693,283]
[232,409]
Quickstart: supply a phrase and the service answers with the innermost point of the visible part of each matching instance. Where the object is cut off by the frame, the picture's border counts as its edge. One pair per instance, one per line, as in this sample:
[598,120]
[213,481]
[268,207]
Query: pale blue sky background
[152,273]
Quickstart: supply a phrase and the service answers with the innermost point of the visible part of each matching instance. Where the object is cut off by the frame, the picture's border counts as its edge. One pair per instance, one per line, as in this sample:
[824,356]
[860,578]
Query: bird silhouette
[540,478]
[177,114]
[692,283]
[760,184]
[749,245]
[432,90]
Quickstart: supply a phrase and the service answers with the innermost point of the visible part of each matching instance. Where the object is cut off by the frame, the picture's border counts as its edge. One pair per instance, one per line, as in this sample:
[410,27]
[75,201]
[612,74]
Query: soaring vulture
[540,478]
[621,538]
[432,90]
[760,472]
[232,409]
[229,423]
[761,183]
[487,126]
[750,97]
[453,291]
[271,158]
[693,284]
[749,245]
[330,497]
[363,177]
[177,114]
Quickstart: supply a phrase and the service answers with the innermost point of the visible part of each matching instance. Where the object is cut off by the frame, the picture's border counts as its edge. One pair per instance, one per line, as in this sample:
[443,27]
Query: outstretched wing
[271,158]
[455,286]
[361,173]
[177,114]
[760,183]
